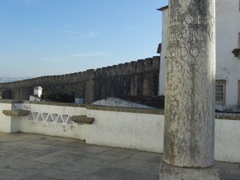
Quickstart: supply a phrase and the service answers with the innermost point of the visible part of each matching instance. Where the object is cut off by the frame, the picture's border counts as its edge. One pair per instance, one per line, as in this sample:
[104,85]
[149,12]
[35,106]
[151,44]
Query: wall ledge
[16,113]
[126,109]
[227,116]
[15,101]
[223,115]
[82,119]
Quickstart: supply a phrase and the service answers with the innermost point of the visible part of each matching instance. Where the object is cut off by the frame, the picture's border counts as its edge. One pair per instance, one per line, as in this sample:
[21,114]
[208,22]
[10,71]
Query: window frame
[223,83]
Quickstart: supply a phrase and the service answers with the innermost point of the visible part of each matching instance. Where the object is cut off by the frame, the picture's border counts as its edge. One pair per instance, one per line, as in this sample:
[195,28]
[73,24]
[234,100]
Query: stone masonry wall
[137,78]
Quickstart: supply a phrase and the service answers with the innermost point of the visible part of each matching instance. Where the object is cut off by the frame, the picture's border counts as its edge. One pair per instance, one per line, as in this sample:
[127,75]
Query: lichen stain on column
[190,99]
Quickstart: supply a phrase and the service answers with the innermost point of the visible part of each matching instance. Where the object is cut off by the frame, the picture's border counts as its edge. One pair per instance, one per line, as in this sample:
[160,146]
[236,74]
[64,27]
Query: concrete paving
[30,156]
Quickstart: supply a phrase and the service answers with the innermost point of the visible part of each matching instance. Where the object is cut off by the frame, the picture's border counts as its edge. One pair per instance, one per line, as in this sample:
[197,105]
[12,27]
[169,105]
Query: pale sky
[53,37]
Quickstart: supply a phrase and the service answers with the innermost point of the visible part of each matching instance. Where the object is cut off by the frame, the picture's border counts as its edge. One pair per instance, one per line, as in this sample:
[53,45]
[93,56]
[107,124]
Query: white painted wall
[126,130]
[227,66]
[228,27]
[8,124]
[162,78]
[5,121]
[38,123]
[133,130]
[38,91]
[227,140]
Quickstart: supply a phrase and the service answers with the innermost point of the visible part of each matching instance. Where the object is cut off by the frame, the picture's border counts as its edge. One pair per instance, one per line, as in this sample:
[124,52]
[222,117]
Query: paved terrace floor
[29,156]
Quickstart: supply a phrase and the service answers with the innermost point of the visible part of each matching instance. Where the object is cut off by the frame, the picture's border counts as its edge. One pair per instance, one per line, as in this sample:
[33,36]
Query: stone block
[168,172]
[16,113]
[82,119]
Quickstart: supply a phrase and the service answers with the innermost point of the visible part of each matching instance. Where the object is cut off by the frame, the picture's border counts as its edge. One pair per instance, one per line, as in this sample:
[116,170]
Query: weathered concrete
[168,172]
[189,105]
[31,156]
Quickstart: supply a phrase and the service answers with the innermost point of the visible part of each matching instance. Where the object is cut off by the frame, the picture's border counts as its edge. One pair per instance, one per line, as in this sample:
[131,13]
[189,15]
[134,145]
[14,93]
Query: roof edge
[163,8]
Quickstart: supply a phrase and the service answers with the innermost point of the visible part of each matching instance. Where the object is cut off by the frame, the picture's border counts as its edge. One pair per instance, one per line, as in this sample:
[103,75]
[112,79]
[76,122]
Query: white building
[37,93]
[227,54]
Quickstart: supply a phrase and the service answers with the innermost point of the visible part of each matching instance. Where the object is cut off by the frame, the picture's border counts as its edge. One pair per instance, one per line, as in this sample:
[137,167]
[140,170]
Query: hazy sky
[48,37]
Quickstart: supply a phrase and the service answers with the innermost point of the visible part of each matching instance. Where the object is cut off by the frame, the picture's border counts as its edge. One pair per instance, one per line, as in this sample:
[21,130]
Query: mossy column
[190,97]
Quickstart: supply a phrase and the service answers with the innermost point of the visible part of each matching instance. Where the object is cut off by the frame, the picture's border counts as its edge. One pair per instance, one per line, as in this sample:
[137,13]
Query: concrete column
[190,97]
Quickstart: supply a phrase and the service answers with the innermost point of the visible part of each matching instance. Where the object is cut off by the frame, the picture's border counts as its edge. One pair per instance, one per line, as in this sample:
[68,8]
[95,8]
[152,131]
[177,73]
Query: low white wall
[126,130]
[53,120]
[227,140]
[117,127]
[5,122]
[146,132]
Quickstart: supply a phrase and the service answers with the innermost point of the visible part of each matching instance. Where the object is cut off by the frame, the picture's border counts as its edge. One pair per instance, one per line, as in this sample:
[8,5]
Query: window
[220,91]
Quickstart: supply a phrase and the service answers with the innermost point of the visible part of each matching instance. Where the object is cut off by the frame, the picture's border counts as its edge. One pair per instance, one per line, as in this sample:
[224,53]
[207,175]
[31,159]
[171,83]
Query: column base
[168,172]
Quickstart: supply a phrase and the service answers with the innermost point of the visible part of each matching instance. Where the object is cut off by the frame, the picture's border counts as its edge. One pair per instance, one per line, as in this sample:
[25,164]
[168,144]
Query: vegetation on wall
[58,97]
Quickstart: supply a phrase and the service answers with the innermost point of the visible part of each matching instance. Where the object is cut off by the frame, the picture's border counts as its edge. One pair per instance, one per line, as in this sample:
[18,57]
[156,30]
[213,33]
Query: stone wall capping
[82,119]
[10,101]
[127,109]
[16,113]
[225,116]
